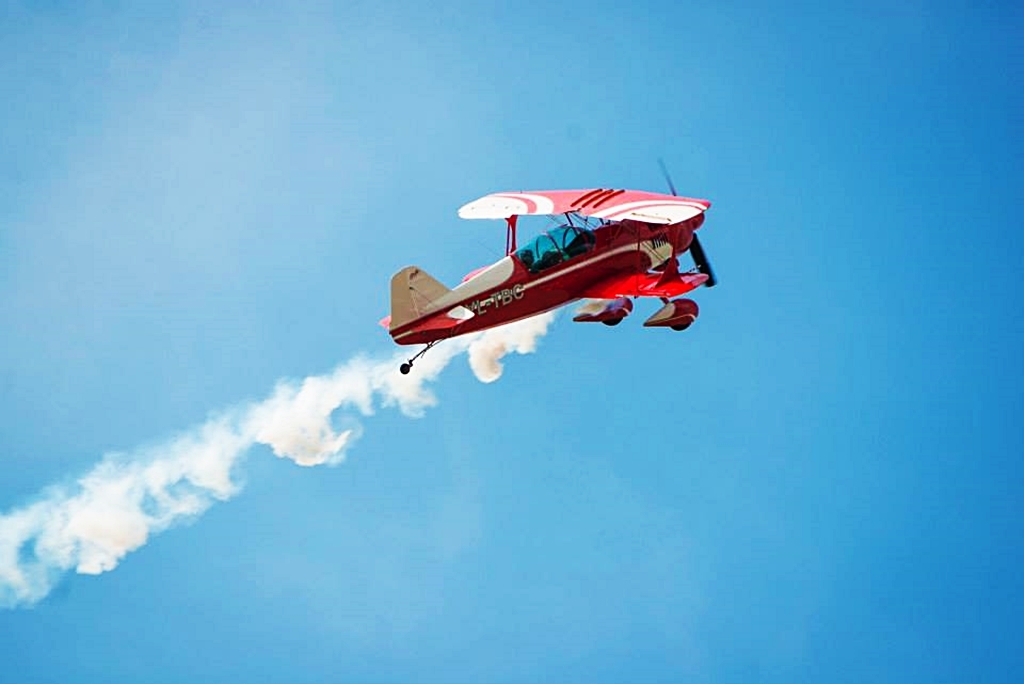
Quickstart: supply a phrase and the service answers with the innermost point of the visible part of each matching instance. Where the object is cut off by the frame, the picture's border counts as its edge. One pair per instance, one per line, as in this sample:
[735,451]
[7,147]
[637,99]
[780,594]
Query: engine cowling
[611,313]
[678,314]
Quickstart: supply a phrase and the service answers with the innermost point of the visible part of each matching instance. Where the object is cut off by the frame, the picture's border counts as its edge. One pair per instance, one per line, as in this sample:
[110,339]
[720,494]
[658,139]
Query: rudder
[413,290]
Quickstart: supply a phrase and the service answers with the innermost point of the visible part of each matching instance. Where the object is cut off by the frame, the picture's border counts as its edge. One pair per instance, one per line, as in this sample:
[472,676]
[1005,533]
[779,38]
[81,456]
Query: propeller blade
[696,250]
[668,179]
[701,260]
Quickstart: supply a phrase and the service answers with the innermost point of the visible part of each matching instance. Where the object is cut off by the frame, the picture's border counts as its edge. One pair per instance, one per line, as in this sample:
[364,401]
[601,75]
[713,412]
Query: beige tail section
[413,291]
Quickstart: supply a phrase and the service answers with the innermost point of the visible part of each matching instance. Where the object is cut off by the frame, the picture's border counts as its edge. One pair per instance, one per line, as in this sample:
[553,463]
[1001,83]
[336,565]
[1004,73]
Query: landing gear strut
[406,367]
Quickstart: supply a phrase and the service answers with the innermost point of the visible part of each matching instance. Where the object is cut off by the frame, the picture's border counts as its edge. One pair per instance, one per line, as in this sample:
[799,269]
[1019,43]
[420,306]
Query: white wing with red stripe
[604,203]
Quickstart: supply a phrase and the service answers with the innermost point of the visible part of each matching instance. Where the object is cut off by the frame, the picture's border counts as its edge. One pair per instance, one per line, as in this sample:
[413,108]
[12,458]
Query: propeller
[700,259]
[668,178]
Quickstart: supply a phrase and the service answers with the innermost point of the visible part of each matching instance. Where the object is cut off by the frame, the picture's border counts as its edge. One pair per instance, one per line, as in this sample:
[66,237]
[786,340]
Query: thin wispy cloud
[115,508]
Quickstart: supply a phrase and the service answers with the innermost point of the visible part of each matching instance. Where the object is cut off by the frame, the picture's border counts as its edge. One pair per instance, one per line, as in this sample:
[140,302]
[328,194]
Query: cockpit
[555,246]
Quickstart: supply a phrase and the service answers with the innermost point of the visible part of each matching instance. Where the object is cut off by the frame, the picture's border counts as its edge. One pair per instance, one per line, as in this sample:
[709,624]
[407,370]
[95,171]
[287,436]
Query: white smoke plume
[115,508]
[486,353]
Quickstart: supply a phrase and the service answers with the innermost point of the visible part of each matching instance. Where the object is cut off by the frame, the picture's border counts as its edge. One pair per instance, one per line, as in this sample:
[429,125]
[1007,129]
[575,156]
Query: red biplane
[612,245]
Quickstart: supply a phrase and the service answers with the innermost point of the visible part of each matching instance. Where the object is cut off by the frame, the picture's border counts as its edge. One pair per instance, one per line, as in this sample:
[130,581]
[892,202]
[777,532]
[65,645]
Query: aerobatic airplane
[612,245]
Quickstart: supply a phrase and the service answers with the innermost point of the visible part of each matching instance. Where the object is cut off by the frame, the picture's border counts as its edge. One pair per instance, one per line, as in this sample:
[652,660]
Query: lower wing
[645,285]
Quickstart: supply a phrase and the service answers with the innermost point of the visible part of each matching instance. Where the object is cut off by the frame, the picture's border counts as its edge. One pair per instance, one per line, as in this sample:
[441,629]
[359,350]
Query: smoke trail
[126,498]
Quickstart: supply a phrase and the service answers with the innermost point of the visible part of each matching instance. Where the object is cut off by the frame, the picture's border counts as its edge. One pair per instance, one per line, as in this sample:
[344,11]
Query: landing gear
[613,321]
[406,367]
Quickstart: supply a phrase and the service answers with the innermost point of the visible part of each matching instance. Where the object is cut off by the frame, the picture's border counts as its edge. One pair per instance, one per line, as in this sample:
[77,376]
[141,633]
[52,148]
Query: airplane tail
[413,290]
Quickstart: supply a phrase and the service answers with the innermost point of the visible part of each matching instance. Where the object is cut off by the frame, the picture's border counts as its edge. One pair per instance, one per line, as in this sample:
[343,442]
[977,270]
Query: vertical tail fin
[413,290]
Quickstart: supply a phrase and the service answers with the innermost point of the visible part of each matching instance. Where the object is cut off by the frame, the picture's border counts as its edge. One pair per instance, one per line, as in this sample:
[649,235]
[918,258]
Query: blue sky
[819,481]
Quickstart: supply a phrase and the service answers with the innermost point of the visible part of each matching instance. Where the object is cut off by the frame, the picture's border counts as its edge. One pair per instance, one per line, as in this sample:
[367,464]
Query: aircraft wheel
[405,368]
[614,321]
[680,327]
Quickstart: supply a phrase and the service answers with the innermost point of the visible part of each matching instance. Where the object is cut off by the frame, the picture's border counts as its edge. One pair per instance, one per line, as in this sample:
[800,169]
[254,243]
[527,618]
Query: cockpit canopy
[555,246]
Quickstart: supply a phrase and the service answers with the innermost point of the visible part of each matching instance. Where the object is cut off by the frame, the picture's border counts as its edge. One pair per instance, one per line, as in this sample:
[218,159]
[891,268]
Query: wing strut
[510,234]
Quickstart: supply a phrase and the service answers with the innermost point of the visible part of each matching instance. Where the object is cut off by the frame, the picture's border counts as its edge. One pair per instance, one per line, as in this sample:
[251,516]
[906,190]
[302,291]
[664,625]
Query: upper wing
[612,205]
